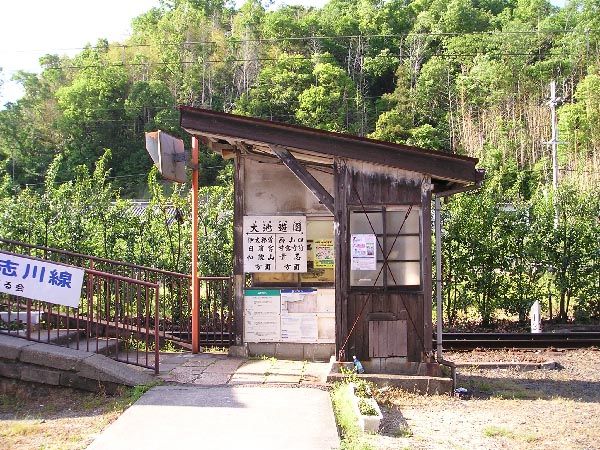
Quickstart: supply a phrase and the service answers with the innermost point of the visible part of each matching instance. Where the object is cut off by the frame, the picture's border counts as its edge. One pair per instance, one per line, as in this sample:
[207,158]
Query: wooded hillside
[464,76]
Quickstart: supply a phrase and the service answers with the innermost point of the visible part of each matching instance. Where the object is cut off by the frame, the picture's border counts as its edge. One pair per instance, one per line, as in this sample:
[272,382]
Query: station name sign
[274,244]
[40,280]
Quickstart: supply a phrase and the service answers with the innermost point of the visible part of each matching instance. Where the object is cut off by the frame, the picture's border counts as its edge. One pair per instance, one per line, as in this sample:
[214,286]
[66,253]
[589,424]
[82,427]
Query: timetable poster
[274,244]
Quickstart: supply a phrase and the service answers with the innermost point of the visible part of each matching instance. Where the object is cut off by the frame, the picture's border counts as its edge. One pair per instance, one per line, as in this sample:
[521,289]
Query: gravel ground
[508,409]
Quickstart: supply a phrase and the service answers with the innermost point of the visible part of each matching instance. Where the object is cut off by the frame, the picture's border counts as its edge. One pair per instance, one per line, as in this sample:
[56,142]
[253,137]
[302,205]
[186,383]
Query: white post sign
[362,252]
[274,244]
[536,317]
[262,315]
[40,280]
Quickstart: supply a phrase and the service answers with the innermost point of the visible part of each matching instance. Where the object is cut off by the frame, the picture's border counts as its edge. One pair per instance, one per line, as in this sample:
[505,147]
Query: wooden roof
[448,171]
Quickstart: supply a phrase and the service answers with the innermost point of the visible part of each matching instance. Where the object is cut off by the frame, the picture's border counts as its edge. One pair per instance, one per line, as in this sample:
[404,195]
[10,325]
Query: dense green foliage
[87,215]
[462,76]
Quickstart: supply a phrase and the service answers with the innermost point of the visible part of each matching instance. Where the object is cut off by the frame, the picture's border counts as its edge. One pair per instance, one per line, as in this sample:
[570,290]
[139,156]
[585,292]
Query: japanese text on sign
[324,253]
[40,280]
[274,244]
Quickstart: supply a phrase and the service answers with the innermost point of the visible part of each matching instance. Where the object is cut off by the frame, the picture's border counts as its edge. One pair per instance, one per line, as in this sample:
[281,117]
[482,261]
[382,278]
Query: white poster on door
[363,252]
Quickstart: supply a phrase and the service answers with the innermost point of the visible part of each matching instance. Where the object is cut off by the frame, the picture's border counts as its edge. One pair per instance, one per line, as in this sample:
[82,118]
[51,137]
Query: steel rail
[470,341]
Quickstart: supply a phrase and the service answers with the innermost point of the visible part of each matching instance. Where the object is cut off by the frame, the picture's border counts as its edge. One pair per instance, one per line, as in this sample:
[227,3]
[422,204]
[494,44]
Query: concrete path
[227,417]
[216,402]
[212,369]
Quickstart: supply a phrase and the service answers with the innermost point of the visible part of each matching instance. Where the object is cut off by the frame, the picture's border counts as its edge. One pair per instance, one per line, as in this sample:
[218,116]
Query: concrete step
[62,337]
[411,383]
[71,339]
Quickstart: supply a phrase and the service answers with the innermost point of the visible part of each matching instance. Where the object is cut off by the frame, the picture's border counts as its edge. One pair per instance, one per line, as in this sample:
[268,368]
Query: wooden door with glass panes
[391,289]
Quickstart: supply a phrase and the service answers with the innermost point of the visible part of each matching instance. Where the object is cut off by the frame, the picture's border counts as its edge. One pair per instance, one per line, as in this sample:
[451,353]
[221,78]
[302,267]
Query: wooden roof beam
[304,176]
[441,166]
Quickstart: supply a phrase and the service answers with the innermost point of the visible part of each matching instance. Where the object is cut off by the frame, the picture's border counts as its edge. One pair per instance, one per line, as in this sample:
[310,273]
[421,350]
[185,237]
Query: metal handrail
[94,258]
[117,315]
[175,294]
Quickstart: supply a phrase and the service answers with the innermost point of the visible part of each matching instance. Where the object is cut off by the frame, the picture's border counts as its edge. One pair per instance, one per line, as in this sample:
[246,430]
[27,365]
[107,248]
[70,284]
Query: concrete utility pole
[554,100]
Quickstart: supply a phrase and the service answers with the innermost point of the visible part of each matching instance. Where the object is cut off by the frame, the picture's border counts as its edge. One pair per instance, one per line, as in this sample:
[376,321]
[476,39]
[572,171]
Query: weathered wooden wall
[359,184]
[271,188]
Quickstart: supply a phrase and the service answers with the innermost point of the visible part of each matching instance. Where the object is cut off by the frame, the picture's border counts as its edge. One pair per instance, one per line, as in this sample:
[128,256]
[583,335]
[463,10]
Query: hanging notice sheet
[40,280]
[362,252]
[289,315]
[262,315]
[274,244]
[324,254]
[307,316]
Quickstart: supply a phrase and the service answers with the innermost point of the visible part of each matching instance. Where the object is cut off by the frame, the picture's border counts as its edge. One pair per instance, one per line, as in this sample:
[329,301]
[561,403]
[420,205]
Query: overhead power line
[312,37]
[299,58]
[366,37]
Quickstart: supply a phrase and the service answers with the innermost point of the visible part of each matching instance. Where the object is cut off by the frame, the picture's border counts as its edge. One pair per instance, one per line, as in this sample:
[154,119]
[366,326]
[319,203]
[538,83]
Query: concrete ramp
[225,417]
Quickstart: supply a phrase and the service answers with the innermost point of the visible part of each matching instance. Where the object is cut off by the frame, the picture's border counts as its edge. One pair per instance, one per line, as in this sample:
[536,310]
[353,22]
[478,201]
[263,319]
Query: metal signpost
[168,154]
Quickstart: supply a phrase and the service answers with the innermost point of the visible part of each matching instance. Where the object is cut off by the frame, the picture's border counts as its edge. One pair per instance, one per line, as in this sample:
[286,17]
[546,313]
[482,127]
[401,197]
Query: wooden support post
[426,266]
[238,248]
[342,193]
[304,176]
[195,281]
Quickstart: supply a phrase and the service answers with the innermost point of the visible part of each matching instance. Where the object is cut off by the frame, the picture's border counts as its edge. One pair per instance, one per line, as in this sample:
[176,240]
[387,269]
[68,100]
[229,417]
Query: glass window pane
[360,225]
[379,247]
[395,218]
[366,277]
[404,274]
[405,247]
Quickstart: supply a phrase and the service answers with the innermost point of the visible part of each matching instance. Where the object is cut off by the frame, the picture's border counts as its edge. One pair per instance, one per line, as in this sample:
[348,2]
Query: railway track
[470,341]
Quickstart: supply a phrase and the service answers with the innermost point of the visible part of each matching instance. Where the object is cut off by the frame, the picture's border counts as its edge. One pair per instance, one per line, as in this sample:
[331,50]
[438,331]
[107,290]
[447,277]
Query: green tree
[276,94]
[326,104]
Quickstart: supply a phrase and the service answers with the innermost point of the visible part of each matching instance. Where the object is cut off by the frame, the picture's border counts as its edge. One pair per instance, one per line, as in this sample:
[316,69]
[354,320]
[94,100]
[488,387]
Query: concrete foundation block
[393,364]
[239,351]
[321,352]
[410,383]
[289,351]
[374,365]
[10,369]
[53,356]
[40,375]
[309,353]
[261,348]
[100,368]
[11,346]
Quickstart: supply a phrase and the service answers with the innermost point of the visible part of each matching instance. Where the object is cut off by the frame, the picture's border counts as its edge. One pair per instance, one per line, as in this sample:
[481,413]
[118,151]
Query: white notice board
[262,315]
[307,315]
[289,315]
[274,244]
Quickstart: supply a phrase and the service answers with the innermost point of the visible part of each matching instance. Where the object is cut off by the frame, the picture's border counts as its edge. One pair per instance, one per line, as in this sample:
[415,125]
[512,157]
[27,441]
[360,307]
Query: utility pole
[195,281]
[554,144]
[554,100]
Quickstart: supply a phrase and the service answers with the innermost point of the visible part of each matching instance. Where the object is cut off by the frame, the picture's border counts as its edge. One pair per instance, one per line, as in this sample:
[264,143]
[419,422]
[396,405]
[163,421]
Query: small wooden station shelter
[332,238]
